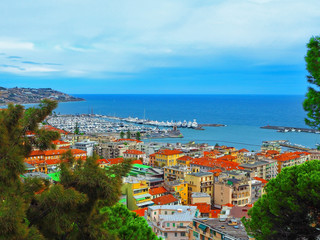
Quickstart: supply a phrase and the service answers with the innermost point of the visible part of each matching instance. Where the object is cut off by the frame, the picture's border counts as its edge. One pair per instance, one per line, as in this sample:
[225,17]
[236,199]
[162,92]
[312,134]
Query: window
[176,234]
[165,213]
[173,224]
[155,213]
[166,234]
[181,224]
[183,234]
[168,224]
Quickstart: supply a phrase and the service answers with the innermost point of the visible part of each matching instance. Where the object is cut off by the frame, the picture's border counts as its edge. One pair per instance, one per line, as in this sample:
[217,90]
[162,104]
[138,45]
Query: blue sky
[183,46]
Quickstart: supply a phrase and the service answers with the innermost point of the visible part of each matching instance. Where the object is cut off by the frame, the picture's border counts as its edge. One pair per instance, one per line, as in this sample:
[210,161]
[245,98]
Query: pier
[291,129]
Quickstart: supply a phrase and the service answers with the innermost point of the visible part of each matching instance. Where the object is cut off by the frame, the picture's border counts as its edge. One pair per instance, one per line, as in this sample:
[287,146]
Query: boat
[184,124]
[194,124]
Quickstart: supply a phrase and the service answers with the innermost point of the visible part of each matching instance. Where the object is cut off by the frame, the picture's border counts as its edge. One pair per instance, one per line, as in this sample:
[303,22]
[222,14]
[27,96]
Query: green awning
[203,227]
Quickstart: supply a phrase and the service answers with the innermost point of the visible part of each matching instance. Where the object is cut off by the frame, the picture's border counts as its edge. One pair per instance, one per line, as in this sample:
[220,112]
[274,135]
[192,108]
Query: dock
[291,129]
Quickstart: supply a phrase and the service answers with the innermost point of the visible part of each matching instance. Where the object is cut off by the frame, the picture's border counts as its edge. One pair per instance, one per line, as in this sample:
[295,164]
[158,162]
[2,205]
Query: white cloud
[15,45]
[101,36]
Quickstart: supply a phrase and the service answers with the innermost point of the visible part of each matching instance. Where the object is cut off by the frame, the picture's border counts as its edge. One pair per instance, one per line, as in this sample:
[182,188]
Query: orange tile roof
[261,180]
[228,205]
[166,199]
[158,190]
[168,152]
[115,160]
[185,158]
[59,142]
[272,152]
[51,128]
[203,207]
[216,163]
[137,162]
[287,156]
[134,152]
[227,158]
[243,150]
[140,212]
[152,155]
[102,161]
[215,213]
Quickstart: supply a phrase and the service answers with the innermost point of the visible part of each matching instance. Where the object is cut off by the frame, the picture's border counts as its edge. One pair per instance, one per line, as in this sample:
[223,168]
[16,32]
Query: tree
[36,209]
[128,134]
[290,209]
[124,224]
[138,135]
[312,102]
[121,134]
[76,130]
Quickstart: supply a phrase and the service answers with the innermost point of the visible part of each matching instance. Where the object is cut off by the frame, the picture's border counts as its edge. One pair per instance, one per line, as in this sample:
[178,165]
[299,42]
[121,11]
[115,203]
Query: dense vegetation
[79,207]
[290,209]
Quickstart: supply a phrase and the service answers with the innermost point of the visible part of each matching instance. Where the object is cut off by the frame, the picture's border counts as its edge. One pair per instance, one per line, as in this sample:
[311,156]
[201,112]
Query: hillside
[33,95]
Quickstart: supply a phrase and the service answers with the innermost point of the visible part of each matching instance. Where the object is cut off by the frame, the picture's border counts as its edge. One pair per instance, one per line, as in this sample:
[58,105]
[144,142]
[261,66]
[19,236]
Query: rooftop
[158,190]
[166,199]
[213,223]
[168,152]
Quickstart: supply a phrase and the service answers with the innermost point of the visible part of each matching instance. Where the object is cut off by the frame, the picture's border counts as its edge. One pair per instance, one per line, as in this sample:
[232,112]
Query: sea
[243,115]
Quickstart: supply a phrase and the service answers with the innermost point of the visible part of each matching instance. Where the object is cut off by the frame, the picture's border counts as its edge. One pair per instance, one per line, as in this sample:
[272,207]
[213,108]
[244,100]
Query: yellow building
[200,182]
[179,189]
[184,160]
[167,157]
[137,192]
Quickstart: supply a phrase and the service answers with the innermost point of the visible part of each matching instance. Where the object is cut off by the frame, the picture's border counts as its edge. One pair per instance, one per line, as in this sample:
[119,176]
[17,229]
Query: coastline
[25,103]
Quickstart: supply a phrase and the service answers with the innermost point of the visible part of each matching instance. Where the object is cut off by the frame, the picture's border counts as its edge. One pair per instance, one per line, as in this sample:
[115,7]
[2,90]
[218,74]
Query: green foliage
[124,224]
[290,209]
[121,134]
[76,130]
[128,134]
[312,102]
[138,135]
[36,209]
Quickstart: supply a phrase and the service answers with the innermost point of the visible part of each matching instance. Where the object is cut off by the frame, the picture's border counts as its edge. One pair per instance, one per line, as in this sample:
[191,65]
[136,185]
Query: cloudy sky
[164,46]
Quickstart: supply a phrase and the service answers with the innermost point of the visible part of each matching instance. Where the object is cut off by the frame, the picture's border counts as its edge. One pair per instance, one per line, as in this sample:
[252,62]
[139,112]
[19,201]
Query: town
[184,191]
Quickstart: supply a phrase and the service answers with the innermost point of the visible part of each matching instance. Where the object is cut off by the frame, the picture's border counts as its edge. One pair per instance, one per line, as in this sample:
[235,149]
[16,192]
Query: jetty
[291,129]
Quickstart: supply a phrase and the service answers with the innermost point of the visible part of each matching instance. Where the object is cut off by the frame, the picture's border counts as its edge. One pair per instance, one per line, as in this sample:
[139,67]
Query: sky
[157,47]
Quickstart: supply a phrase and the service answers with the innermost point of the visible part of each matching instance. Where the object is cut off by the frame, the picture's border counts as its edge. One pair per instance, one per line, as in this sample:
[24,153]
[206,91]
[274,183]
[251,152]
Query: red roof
[203,207]
[140,212]
[216,163]
[134,152]
[228,205]
[166,199]
[215,213]
[261,180]
[137,162]
[168,152]
[185,158]
[152,155]
[158,190]
[115,160]
[51,128]
[227,158]
[58,142]
[243,150]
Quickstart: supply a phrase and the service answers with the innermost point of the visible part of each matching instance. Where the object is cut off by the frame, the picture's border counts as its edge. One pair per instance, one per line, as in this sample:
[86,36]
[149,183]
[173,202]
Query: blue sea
[243,115]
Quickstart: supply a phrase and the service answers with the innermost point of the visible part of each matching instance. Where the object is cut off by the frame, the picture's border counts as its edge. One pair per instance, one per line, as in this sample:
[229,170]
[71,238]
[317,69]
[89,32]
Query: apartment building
[263,169]
[176,172]
[200,182]
[167,157]
[171,222]
[289,159]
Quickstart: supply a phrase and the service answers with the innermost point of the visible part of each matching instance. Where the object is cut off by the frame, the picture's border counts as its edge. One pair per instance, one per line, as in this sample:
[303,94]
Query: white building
[86,145]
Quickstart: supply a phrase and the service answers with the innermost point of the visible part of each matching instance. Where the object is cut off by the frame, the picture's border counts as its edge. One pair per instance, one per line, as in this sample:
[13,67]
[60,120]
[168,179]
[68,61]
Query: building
[199,197]
[291,158]
[86,145]
[200,182]
[48,161]
[179,189]
[176,172]
[61,144]
[263,169]
[171,222]
[108,150]
[214,229]
[167,157]
[137,194]
[232,191]
[133,153]
[158,192]
[271,145]
[167,199]
[184,160]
